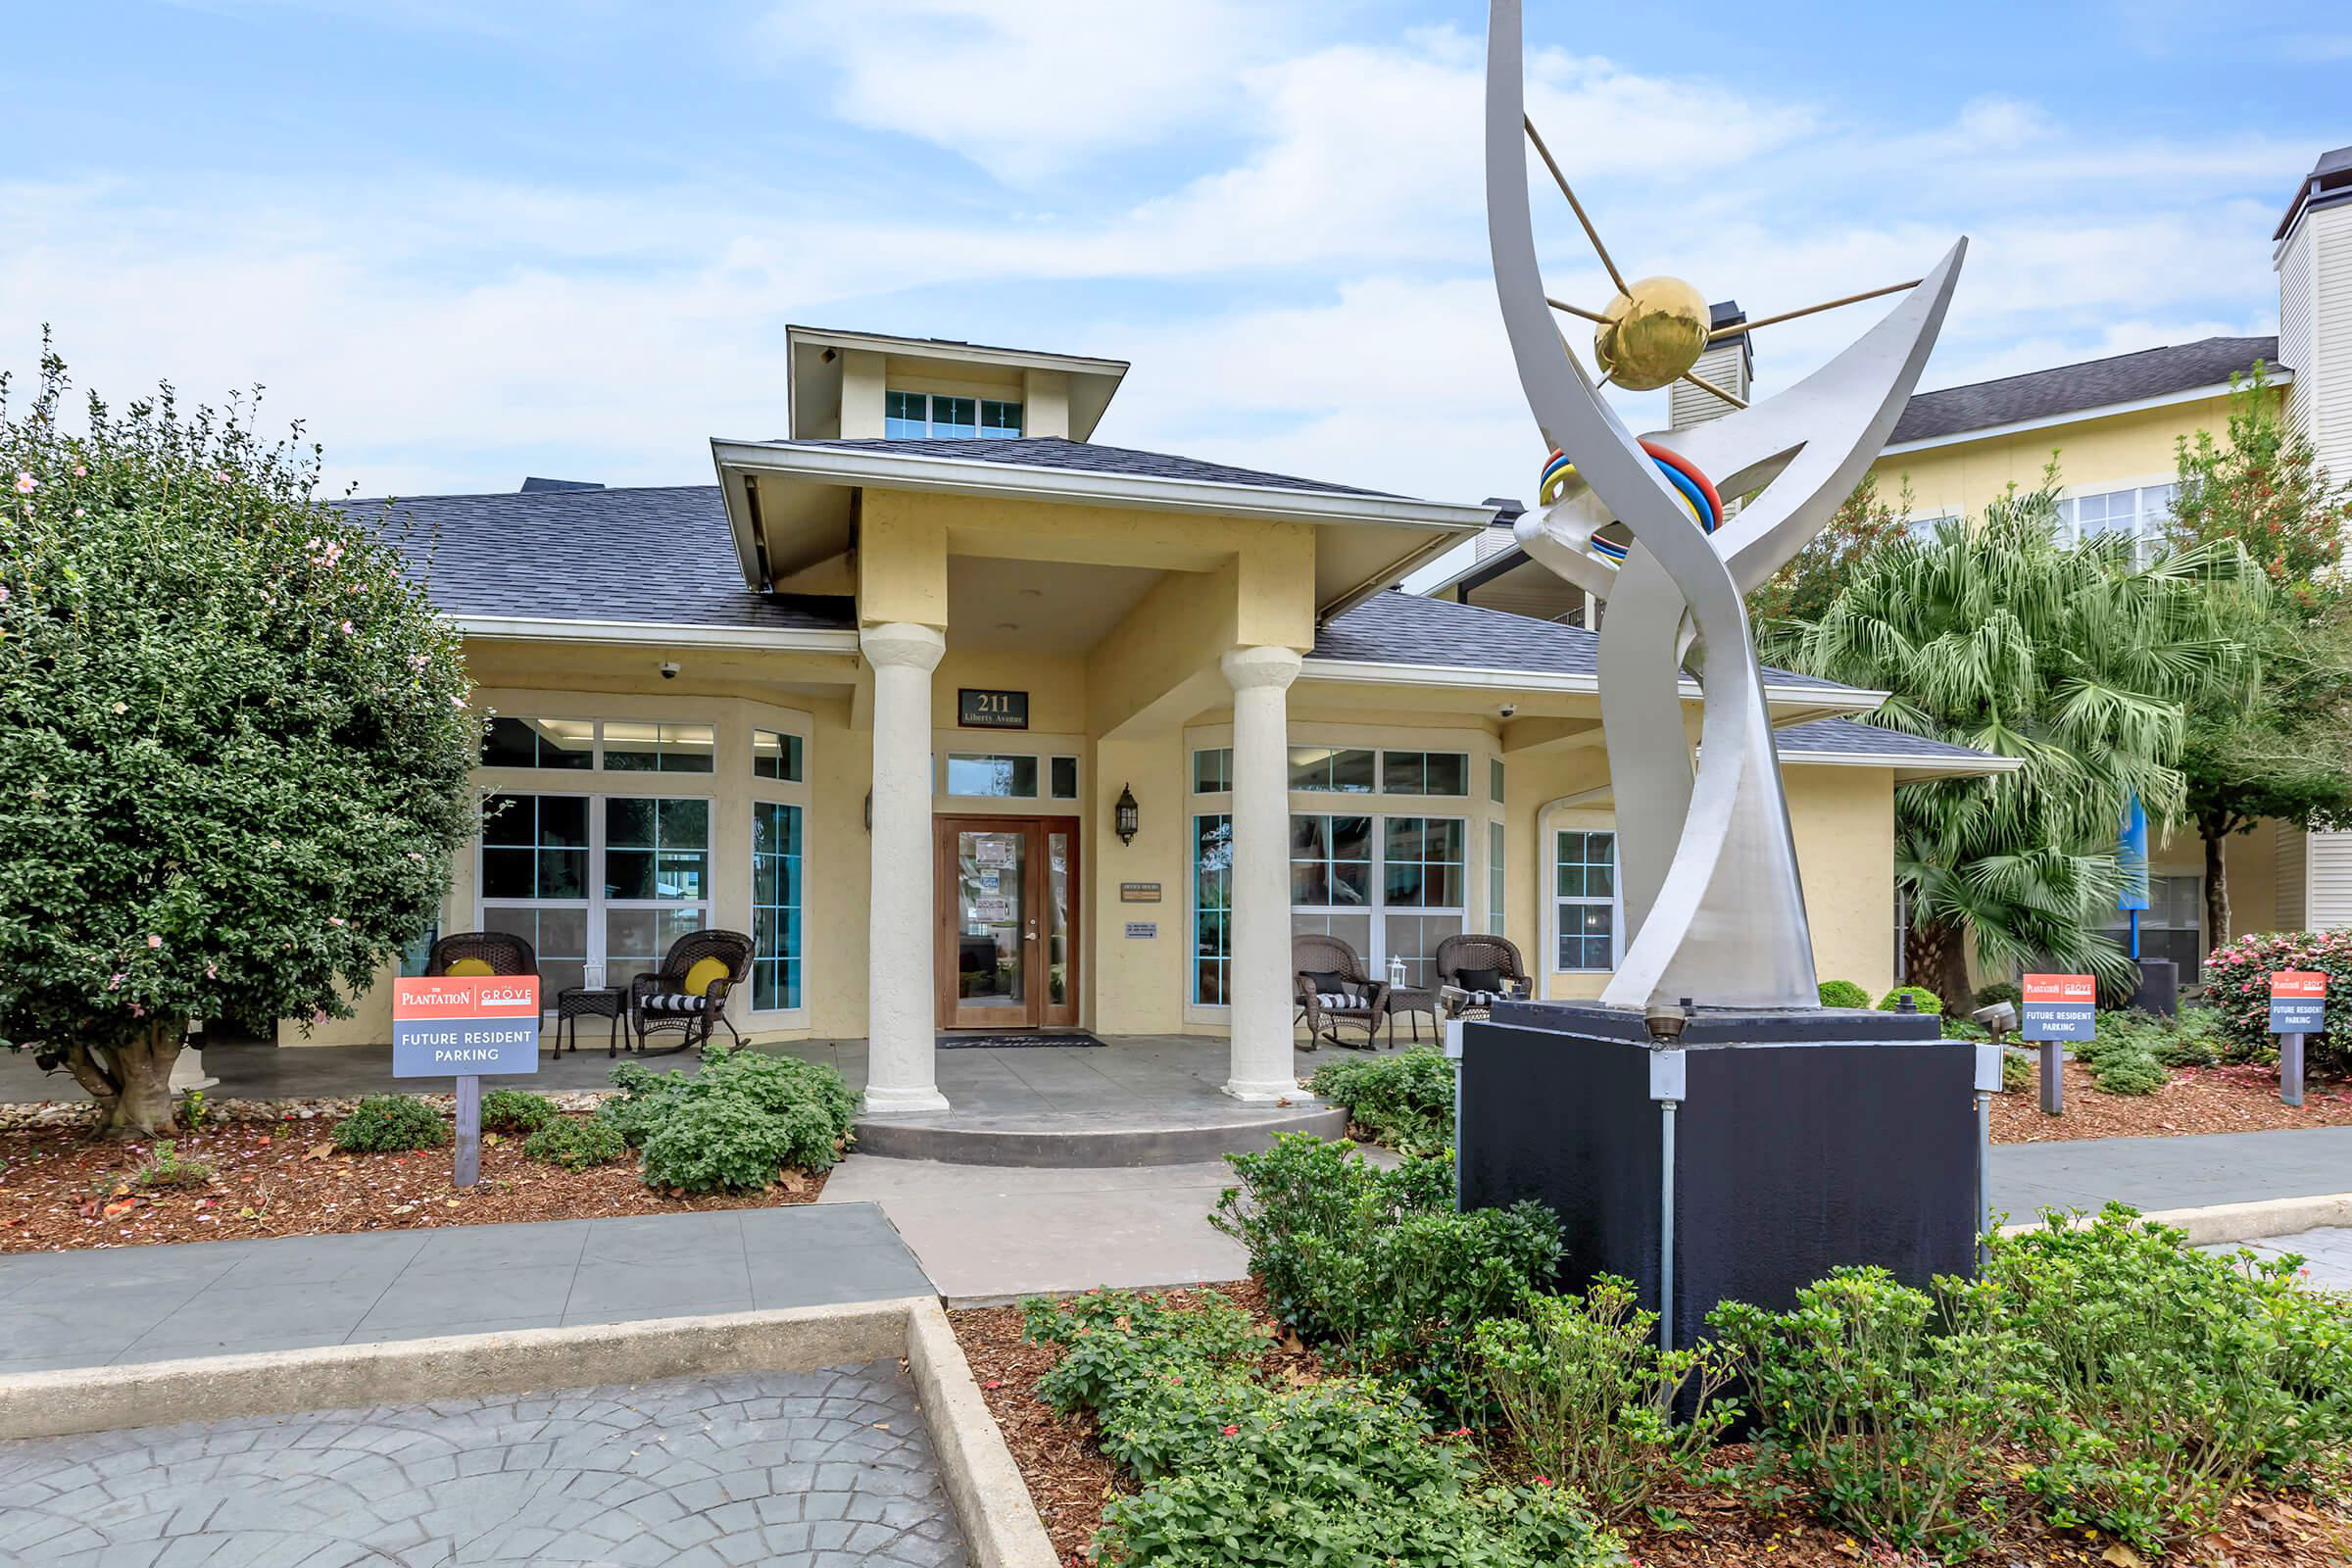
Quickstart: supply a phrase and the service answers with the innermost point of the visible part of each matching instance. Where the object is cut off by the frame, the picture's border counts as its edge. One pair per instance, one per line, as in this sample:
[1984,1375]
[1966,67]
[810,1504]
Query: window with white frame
[606,881]
[2140,514]
[1494,878]
[1212,770]
[1425,772]
[776,756]
[775,905]
[1495,780]
[1388,886]
[1922,529]
[1212,910]
[561,743]
[1061,774]
[939,416]
[1584,899]
[992,776]
[1332,769]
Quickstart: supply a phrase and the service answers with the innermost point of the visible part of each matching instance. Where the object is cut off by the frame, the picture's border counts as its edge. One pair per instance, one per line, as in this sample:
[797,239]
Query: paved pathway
[829,1469]
[2327,1255]
[2190,1173]
[162,1303]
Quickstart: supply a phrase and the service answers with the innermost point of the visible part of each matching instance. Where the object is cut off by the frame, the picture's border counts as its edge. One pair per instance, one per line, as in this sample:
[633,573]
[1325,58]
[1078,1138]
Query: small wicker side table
[1406,998]
[575,1003]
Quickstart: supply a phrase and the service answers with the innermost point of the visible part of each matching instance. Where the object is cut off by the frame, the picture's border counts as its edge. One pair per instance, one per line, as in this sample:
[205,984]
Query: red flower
[1542,1481]
[1229,1431]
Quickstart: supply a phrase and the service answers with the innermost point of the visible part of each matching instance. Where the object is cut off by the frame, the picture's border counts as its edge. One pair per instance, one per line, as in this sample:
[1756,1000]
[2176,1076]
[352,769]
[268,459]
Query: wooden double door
[1006,892]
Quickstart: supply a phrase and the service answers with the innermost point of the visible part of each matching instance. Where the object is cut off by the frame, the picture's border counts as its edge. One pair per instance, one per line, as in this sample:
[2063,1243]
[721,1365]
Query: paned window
[1212,770]
[775,756]
[539,743]
[1332,769]
[1425,772]
[636,748]
[1585,890]
[775,905]
[992,777]
[1212,910]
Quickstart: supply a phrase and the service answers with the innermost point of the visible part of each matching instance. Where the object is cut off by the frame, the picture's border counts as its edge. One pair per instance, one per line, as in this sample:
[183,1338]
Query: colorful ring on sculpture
[1697,490]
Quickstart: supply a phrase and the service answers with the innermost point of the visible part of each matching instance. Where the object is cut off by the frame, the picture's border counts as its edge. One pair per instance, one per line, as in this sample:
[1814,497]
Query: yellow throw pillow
[699,978]
[471,966]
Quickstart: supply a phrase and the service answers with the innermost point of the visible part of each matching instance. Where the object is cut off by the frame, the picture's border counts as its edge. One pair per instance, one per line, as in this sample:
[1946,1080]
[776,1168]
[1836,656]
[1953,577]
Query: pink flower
[115,984]
[347,628]
[137,1011]
[3,596]
[153,940]
[79,471]
[458,703]
[26,484]
[212,972]
[334,919]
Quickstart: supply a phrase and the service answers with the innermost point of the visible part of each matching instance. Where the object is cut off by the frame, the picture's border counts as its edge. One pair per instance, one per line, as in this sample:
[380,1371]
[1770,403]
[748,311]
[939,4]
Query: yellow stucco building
[974,723]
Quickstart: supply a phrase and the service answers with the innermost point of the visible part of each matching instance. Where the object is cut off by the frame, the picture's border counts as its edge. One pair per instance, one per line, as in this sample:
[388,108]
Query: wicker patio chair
[481,953]
[668,1000]
[1331,987]
[1491,962]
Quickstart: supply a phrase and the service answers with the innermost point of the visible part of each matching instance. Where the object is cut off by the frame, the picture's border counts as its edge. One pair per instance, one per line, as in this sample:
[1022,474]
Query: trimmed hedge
[1404,1101]
[2237,977]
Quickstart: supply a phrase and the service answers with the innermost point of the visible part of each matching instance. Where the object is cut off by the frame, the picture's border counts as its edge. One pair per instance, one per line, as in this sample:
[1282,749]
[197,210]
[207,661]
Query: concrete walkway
[827,1469]
[163,1302]
[2327,1255]
[2153,1173]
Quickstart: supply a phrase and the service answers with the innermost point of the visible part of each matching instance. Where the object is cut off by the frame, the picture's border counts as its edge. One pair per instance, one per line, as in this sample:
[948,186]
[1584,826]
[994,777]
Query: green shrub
[2237,981]
[2018,1072]
[575,1143]
[1925,1000]
[1886,1427]
[1842,994]
[1234,1471]
[2129,1072]
[163,1167]
[1380,1263]
[2122,1053]
[1583,1389]
[1404,1101]
[746,1115]
[2008,991]
[385,1124]
[2174,1379]
[2193,1040]
[516,1111]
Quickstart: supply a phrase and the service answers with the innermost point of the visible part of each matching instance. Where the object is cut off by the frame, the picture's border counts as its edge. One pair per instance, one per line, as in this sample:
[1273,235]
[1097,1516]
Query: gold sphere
[1653,334]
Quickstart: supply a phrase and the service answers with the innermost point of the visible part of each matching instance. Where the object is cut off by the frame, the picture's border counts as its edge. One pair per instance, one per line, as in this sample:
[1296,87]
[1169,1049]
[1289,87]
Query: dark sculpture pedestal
[1802,1140]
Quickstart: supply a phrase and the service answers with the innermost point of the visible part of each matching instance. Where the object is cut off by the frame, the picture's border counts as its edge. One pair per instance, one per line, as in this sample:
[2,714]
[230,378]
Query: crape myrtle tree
[1997,636]
[2283,753]
[234,742]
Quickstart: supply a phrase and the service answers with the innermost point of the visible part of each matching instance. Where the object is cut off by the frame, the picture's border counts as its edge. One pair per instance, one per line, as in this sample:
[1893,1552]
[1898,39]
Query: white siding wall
[2294,874]
[1726,365]
[2330,881]
[2294,318]
[2328,390]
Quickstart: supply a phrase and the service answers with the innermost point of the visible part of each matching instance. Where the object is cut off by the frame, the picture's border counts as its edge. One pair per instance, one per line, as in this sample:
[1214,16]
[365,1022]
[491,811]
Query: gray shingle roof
[1401,628]
[2073,388]
[1850,736]
[646,554]
[1053,452]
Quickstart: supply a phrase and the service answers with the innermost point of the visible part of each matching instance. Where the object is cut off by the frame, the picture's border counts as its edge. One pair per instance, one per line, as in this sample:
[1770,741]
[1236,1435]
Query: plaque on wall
[990,709]
[1139,893]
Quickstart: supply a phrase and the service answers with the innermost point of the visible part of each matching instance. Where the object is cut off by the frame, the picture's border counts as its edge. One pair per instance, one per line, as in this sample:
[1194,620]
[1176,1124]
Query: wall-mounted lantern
[1130,818]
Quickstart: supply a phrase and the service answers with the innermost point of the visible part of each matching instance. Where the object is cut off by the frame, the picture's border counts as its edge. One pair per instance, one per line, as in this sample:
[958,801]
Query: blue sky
[467,242]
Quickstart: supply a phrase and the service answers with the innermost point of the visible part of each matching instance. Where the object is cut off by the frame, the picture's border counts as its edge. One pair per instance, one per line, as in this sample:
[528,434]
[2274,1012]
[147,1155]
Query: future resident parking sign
[466,1026]
[2299,1002]
[2060,1006]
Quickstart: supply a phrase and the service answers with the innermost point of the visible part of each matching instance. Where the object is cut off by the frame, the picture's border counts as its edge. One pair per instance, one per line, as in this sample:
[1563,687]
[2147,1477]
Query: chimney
[1500,534]
[1727,365]
[2312,254]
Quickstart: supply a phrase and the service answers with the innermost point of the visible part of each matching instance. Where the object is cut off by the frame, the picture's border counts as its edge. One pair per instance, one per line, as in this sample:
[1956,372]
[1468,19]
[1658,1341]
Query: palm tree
[1996,636]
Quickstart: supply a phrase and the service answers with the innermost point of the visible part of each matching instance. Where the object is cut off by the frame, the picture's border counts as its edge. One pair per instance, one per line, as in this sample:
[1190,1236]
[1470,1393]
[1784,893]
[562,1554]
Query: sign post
[2298,1008]
[466,1026]
[2058,1007]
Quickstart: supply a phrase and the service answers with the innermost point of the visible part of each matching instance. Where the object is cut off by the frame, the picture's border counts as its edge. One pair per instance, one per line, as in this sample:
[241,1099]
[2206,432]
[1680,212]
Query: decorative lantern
[1130,819]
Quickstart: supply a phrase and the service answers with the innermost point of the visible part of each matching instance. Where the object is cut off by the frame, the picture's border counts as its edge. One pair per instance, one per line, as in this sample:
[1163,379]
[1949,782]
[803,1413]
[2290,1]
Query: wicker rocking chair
[481,953]
[1491,962]
[661,1001]
[1331,987]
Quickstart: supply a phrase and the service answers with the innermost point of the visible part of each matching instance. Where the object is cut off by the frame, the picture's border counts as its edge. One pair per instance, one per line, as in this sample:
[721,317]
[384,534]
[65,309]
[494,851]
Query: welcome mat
[1068,1037]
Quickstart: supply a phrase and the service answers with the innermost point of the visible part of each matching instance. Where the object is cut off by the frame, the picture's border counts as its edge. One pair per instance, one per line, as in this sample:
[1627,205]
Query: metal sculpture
[1707,870]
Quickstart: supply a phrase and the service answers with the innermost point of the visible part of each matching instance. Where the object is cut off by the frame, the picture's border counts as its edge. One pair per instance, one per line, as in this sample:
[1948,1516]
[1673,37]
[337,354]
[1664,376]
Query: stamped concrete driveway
[828,1469]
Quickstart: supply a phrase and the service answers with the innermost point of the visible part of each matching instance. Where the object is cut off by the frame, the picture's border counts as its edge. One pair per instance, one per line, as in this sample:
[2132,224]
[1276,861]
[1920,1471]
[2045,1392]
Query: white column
[1262,1069]
[900,1074]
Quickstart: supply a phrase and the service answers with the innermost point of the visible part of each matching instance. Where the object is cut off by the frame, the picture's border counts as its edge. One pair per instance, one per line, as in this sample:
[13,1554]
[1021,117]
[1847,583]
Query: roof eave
[1791,705]
[657,633]
[1910,767]
[2277,375]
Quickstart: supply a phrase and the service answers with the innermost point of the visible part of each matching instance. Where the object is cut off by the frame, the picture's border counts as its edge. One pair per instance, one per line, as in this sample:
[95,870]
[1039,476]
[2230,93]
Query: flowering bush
[2237,985]
[235,740]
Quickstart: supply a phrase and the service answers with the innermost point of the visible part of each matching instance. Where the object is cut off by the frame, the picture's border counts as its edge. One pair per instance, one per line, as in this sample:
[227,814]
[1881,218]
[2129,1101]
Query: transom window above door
[938,415]
[615,745]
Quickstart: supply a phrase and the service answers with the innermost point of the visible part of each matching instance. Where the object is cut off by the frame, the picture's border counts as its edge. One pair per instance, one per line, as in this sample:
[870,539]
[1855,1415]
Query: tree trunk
[2217,883]
[1936,956]
[132,1080]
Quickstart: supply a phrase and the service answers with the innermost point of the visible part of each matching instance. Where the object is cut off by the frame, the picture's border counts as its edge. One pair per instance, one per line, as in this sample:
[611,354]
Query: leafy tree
[2284,750]
[1802,589]
[1994,636]
[234,741]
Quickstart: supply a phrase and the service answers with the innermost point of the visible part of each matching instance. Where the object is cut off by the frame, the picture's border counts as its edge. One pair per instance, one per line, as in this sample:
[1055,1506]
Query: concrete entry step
[1171,1136]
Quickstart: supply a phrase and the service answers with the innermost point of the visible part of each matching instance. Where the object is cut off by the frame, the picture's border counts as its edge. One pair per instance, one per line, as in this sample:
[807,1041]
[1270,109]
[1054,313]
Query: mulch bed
[1071,1481]
[68,1189]
[2194,1099]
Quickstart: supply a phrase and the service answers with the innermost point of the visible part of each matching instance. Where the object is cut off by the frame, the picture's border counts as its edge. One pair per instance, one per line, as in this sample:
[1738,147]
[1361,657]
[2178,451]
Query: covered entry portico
[1114,606]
